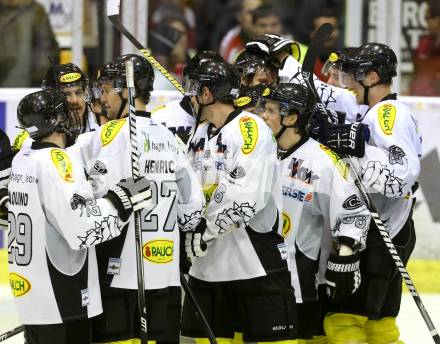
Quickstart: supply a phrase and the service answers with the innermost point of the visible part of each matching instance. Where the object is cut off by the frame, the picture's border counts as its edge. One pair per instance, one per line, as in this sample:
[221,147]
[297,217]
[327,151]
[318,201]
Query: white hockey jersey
[391,163]
[177,117]
[318,196]
[238,168]
[177,196]
[53,218]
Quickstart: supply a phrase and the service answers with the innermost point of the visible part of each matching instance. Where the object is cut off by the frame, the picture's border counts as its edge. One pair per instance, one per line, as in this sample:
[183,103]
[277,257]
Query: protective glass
[272,107]
[192,87]
[346,80]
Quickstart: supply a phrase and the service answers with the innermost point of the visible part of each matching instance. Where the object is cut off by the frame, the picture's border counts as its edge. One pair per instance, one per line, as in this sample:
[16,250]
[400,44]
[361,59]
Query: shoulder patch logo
[249,131]
[352,202]
[159,251]
[63,164]
[110,130]
[387,116]
[19,140]
[242,101]
[287,225]
[70,77]
[19,284]
[341,166]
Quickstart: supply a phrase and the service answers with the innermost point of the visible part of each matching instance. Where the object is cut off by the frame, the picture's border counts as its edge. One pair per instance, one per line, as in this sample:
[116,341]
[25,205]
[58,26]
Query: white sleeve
[246,188]
[339,201]
[391,163]
[70,207]
[191,200]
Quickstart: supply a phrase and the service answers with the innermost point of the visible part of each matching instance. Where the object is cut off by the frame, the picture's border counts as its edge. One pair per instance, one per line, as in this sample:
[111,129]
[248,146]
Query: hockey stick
[113,7]
[11,333]
[196,307]
[137,216]
[320,37]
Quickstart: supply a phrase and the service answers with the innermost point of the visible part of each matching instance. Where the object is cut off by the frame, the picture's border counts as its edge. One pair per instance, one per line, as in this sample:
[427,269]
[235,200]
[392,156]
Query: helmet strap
[122,107]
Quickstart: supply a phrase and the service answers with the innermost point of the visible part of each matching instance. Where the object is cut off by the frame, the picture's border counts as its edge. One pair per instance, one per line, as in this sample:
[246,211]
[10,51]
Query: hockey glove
[129,195]
[195,246]
[272,45]
[342,276]
[347,138]
[4,203]
[321,119]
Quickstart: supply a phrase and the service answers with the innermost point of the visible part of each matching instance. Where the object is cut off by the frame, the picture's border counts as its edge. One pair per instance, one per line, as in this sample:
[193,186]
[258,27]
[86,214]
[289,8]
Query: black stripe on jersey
[266,247]
[105,251]
[307,269]
[67,290]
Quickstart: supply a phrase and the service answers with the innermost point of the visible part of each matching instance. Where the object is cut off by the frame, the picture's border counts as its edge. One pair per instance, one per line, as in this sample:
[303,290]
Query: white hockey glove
[129,195]
[195,246]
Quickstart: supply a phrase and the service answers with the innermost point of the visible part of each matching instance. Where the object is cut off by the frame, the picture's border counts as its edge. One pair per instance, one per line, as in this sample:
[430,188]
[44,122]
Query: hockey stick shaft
[196,307]
[307,73]
[113,15]
[11,333]
[137,216]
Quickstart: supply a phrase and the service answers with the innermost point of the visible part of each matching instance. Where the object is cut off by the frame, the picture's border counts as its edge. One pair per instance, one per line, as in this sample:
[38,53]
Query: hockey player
[241,280]
[53,219]
[255,68]
[370,314]
[177,206]
[319,198]
[69,79]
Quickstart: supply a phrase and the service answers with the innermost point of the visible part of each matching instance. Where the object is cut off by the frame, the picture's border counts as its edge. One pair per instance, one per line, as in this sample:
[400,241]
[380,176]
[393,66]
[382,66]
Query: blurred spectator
[175,8]
[266,19]
[169,44]
[426,78]
[236,38]
[26,42]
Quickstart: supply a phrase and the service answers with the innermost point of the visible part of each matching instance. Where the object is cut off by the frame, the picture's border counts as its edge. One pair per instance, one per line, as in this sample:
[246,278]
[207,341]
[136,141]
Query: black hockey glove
[342,276]
[129,195]
[4,203]
[195,246]
[271,45]
[347,138]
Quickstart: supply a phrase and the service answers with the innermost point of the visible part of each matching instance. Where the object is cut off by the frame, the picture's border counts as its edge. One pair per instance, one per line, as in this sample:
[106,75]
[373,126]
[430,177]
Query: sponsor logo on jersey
[19,140]
[208,190]
[70,77]
[341,166]
[110,130]
[159,166]
[147,143]
[63,164]
[287,225]
[242,101]
[249,131]
[159,251]
[297,194]
[19,285]
[352,202]
[297,171]
[237,173]
[387,117]
[266,92]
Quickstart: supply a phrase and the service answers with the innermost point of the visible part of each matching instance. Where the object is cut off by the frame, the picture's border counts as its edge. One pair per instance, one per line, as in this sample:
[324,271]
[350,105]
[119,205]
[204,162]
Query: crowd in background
[179,28]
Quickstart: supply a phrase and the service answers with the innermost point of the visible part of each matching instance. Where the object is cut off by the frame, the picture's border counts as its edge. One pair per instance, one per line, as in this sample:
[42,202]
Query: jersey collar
[212,131]
[185,104]
[284,154]
[391,96]
[41,145]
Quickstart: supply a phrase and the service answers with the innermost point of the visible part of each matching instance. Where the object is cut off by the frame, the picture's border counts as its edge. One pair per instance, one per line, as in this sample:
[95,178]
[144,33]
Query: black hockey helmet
[114,72]
[65,75]
[371,56]
[291,97]
[337,59]
[248,96]
[43,112]
[248,63]
[208,69]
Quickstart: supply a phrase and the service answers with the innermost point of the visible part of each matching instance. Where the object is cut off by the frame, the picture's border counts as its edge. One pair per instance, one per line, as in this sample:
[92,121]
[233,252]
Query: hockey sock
[383,331]
[342,328]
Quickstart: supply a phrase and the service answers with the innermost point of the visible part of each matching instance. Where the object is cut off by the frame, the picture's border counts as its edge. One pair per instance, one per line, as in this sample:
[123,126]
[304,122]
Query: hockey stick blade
[113,7]
[320,37]
[11,333]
